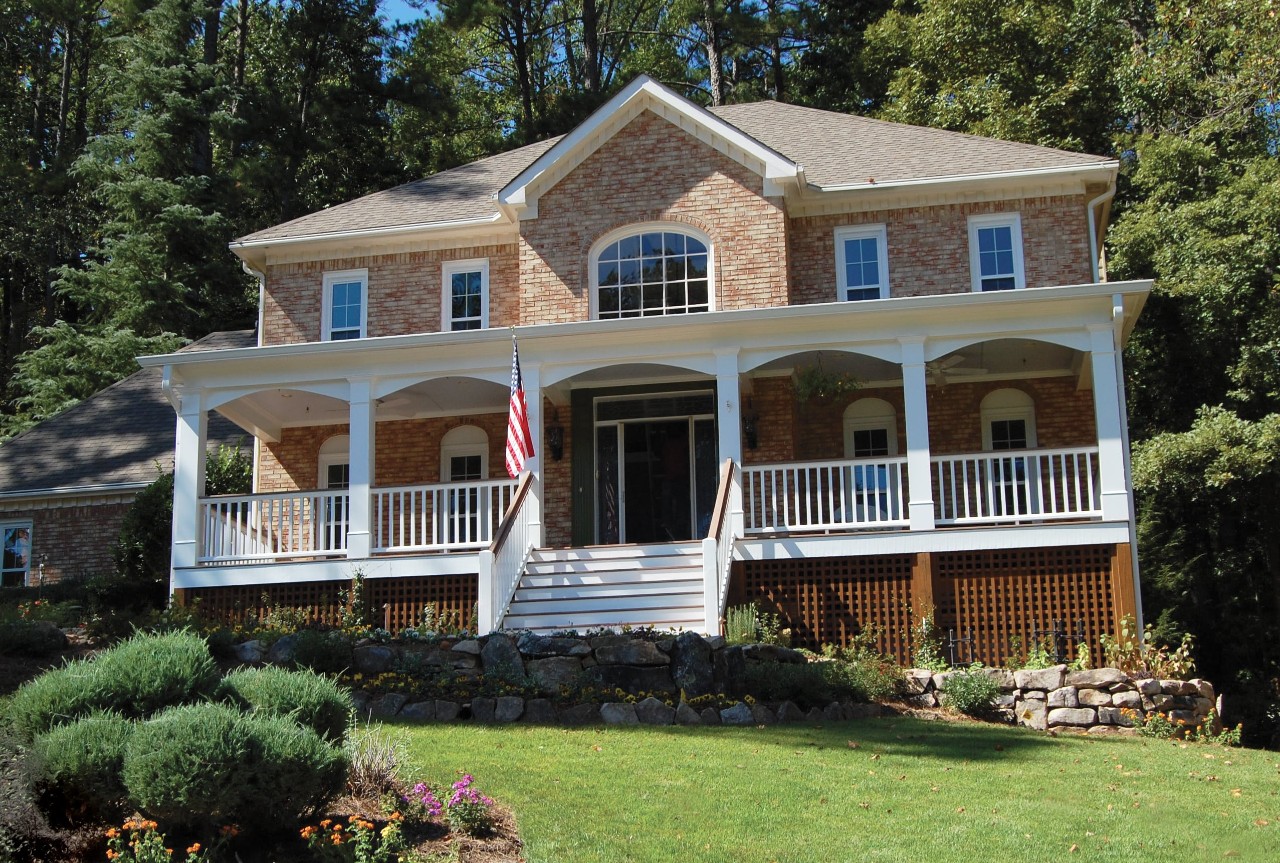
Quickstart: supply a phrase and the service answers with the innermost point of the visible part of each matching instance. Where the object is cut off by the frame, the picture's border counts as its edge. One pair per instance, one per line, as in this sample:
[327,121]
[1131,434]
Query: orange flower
[396,816]
[337,839]
[111,855]
[325,823]
[194,848]
[230,830]
[113,833]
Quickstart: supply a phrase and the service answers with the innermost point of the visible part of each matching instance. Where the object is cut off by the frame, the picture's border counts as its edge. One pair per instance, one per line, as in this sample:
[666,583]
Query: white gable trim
[520,196]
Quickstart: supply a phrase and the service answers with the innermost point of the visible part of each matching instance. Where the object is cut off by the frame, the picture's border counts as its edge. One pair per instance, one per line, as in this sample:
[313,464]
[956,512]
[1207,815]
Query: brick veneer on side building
[74,542]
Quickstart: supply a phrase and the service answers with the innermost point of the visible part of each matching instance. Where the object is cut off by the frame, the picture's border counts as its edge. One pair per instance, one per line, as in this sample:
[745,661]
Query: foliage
[23,828]
[136,678]
[868,674]
[747,624]
[30,638]
[972,691]
[79,763]
[140,841]
[311,700]
[326,652]
[819,384]
[358,841]
[926,645]
[375,758]
[1161,727]
[1144,656]
[203,764]
[467,809]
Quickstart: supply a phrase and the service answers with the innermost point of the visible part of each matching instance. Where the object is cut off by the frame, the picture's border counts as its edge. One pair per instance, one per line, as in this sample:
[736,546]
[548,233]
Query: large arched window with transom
[651,270]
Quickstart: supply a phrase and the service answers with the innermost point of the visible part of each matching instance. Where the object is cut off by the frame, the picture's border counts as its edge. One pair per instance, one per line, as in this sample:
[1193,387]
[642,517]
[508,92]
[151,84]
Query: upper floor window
[17,554]
[660,271]
[862,263]
[345,301]
[995,252]
[465,291]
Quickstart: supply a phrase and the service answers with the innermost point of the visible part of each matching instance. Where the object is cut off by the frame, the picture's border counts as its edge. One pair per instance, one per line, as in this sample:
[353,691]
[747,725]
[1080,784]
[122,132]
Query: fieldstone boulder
[1147,686]
[851,710]
[372,658]
[499,654]
[924,699]
[1072,716]
[388,704]
[940,680]
[789,712]
[1203,688]
[283,651]
[686,715]
[651,711]
[508,708]
[1114,716]
[618,713]
[250,651]
[629,678]
[833,712]
[1185,717]
[762,715]
[814,715]
[580,714]
[447,711]
[483,709]
[738,714]
[691,664]
[555,671]
[1096,678]
[539,646]
[709,716]
[469,646]
[716,641]
[1001,677]
[773,653]
[918,681]
[1047,679]
[1127,699]
[419,711]
[539,711]
[1095,698]
[621,650]
[360,702]
[1032,713]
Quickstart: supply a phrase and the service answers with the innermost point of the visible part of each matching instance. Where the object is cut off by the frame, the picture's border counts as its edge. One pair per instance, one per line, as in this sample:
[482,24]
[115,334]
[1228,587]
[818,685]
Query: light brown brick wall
[929,247]
[653,171]
[559,498]
[815,430]
[404,293]
[75,542]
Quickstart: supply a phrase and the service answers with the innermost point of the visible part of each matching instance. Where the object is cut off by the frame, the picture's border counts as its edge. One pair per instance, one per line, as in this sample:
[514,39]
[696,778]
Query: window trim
[29,527]
[466,441]
[877,232]
[326,311]
[995,220]
[603,242]
[447,271]
[999,405]
[885,417]
[335,450]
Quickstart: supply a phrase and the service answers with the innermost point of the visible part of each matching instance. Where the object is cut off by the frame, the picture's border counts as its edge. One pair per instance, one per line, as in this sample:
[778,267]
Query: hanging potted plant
[818,384]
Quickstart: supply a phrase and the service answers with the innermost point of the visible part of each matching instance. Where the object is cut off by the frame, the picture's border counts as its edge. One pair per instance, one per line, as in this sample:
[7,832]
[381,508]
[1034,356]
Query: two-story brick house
[690,289]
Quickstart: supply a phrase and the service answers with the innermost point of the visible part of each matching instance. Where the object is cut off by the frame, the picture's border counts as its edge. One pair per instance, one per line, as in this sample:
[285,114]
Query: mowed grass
[876,790]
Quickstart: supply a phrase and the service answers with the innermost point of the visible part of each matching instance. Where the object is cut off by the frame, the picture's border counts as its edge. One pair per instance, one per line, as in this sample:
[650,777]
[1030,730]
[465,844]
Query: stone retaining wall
[1092,700]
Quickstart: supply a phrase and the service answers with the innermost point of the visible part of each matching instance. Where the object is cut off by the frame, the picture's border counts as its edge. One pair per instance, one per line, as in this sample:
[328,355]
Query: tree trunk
[711,29]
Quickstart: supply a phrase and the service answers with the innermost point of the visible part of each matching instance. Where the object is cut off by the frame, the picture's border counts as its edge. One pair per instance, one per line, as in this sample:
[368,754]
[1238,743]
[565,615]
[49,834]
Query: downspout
[1095,241]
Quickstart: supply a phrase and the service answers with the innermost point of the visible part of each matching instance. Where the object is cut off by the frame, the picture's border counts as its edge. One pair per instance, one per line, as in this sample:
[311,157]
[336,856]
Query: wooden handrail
[509,517]
[722,499]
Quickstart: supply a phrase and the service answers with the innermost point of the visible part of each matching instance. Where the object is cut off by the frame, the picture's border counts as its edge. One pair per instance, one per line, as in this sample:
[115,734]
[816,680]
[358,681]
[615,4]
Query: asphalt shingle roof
[123,434]
[835,150]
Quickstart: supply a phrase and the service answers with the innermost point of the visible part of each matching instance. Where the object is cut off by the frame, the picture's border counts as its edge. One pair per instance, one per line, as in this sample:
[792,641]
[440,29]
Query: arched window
[1008,420]
[335,462]
[870,429]
[334,474]
[464,454]
[651,270]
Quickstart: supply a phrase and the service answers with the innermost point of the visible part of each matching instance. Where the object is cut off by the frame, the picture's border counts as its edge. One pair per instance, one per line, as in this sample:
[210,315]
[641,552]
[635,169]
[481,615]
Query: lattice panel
[997,596]
[392,602]
[830,600]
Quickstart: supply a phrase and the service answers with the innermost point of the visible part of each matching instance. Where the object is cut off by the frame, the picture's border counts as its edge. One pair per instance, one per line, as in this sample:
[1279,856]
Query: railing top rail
[835,462]
[722,499]
[447,486]
[1015,453]
[513,509]
[276,495]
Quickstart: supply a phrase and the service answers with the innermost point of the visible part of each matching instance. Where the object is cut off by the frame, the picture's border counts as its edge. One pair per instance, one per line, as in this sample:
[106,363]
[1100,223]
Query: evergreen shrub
[54,698]
[310,699]
[79,763]
[971,692]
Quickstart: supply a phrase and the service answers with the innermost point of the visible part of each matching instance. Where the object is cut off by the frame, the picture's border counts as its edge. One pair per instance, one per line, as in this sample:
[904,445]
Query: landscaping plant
[973,692]
[1142,656]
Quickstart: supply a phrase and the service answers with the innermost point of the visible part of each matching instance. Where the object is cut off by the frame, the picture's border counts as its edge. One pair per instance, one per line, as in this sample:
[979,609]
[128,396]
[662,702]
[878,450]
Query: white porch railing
[274,526]
[502,563]
[443,517]
[717,552]
[1030,485]
[825,495]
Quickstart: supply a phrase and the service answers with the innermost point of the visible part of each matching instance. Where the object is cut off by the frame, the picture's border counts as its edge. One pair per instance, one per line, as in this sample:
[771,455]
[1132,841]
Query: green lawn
[888,789]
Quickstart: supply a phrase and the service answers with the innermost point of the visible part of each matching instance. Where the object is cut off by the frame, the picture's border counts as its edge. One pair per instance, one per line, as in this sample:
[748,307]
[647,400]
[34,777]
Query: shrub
[30,638]
[79,763]
[55,697]
[205,764]
[926,645]
[328,652]
[972,692]
[304,696]
[869,674]
[1142,656]
[747,624]
[808,685]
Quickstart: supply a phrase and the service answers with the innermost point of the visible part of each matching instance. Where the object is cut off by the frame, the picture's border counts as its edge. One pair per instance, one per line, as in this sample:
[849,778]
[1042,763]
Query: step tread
[607,564]
[527,592]
[602,552]
[567,579]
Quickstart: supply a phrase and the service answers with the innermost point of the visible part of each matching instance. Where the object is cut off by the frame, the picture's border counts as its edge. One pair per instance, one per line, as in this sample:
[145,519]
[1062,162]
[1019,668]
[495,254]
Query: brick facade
[74,542]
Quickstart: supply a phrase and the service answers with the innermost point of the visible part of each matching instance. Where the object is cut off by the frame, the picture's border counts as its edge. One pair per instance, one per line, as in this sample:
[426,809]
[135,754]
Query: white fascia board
[101,490]
[1108,168]
[518,192]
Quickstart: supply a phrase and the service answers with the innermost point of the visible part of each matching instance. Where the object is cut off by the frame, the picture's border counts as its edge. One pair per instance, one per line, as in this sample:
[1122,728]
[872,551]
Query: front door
[655,468]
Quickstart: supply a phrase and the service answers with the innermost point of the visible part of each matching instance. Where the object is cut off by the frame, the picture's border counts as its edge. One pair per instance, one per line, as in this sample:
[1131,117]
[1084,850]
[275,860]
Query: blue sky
[398,10]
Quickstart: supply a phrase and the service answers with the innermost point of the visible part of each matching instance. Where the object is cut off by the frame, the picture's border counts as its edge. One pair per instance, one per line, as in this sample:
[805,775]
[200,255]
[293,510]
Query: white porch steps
[588,588]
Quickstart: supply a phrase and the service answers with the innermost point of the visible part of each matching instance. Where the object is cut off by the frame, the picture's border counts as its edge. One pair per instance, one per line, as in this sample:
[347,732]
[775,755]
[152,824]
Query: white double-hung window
[862,263]
[345,305]
[465,293]
[995,252]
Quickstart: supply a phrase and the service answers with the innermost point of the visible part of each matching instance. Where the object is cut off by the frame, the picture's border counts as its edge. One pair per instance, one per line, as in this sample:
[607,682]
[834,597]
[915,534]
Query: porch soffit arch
[752,359]
[384,387]
[554,375]
[340,391]
[936,348]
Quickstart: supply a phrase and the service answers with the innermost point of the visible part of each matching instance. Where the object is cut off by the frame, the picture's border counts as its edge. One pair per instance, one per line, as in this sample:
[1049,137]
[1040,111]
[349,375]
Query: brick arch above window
[649,269]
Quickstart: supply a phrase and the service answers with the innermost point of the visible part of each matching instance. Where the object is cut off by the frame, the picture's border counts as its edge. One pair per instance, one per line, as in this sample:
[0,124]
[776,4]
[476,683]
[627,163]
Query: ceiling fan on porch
[942,371]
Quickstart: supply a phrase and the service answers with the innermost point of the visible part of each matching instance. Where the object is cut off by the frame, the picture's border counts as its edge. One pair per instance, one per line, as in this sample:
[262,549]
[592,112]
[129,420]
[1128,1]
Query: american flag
[519,440]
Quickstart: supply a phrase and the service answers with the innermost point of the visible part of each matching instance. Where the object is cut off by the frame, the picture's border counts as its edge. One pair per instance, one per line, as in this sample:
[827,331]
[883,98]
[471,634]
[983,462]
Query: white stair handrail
[502,563]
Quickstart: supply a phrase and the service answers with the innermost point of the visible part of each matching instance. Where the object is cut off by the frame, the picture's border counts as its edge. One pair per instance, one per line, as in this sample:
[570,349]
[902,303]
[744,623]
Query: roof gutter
[73,491]
[366,233]
[1110,166]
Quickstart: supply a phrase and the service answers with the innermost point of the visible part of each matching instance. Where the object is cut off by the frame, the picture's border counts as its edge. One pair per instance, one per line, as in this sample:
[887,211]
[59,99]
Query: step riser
[570,592]
[619,552]
[577,579]
[612,565]
[606,605]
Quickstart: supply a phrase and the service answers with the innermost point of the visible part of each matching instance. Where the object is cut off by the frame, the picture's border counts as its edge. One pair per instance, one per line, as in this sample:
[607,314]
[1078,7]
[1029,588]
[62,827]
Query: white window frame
[870,414]
[464,440]
[604,242]
[16,525]
[1008,403]
[326,314]
[447,270]
[334,451]
[861,232]
[996,220]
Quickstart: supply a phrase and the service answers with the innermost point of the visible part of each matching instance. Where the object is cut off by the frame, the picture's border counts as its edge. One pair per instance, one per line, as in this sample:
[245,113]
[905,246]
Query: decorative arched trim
[1075,340]
[651,268]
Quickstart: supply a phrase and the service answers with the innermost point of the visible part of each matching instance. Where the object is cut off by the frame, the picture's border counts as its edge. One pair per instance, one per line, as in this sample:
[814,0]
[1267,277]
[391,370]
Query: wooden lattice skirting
[990,597]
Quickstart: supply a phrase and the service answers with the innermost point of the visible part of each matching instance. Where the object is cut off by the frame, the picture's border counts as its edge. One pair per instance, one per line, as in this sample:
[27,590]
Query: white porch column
[532,375]
[1106,409]
[188,479]
[729,434]
[916,403]
[362,431]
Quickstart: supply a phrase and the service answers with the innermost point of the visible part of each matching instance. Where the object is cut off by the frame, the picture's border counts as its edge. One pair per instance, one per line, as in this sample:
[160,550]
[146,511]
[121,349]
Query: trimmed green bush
[972,692]
[328,652]
[30,638]
[54,698]
[304,696]
[807,685]
[207,764]
[79,763]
